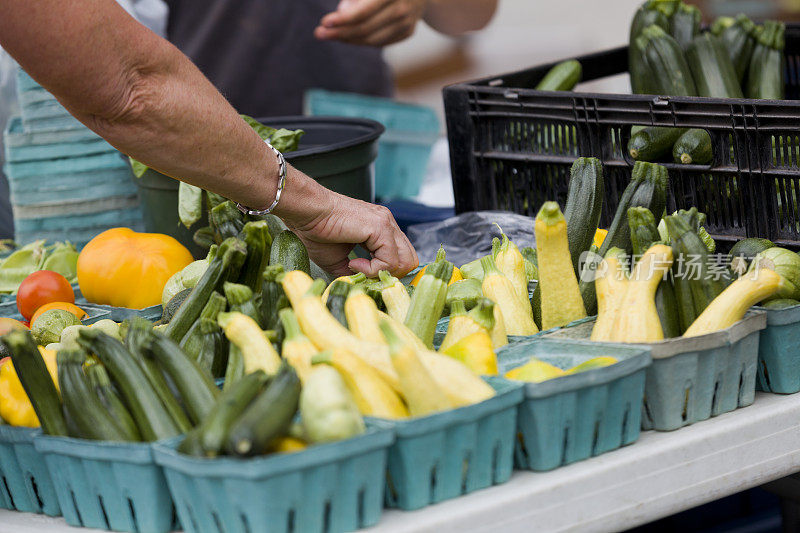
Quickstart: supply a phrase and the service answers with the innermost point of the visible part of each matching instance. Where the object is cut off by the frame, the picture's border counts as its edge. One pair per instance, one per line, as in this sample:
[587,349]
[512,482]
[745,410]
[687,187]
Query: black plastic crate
[511,147]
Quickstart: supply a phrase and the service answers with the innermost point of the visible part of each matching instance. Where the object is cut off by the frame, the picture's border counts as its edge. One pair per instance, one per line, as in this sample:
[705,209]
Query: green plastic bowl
[336,151]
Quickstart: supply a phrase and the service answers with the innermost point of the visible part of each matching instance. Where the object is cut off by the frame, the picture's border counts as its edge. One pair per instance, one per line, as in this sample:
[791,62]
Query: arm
[149,101]
[454,17]
[383,22]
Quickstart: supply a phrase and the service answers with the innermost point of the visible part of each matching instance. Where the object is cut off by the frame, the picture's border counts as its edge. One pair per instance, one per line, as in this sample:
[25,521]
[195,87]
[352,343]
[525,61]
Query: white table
[661,474]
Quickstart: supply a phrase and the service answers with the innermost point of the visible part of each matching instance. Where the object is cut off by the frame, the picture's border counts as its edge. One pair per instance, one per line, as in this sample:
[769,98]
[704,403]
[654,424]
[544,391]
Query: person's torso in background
[262,54]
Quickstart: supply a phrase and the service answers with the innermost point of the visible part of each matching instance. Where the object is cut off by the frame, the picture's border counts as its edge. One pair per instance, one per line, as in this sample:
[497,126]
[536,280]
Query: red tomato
[9,324]
[43,287]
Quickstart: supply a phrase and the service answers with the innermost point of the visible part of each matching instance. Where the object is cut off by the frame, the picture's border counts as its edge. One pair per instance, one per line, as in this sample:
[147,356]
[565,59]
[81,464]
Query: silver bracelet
[281,181]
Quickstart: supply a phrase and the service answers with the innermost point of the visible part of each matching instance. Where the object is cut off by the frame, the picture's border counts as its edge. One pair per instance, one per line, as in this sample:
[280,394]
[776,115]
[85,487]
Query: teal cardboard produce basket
[108,485]
[694,378]
[574,417]
[445,455]
[779,352]
[25,483]
[327,488]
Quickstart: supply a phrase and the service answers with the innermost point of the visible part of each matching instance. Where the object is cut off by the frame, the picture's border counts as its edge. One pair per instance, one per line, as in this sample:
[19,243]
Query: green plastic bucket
[338,152]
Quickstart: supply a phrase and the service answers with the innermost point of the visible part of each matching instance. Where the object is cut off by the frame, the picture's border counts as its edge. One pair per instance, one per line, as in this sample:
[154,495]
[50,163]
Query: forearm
[454,17]
[140,93]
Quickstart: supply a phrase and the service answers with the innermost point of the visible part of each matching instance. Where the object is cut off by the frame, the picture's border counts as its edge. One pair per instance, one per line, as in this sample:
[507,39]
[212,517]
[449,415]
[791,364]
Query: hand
[331,224]
[371,22]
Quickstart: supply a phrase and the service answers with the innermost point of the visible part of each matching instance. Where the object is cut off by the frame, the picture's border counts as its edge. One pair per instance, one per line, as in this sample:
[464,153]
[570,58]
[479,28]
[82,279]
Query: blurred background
[525,33]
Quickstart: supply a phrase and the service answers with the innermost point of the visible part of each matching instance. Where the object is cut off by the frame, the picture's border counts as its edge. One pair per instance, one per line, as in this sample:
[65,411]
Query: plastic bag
[469,236]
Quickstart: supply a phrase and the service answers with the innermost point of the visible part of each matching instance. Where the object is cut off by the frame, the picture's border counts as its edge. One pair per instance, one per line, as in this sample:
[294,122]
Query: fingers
[353,13]
[394,21]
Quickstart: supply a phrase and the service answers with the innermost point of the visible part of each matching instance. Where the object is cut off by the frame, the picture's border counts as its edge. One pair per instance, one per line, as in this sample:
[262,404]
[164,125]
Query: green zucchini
[667,308]
[647,188]
[212,357]
[712,69]
[692,257]
[468,291]
[584,206]
[684,24]
[745,250]
[641,80]
[739,41]
[653,143]
[428,300]
[214,430]
[193,340]
[289,252]
[336,297]
[767,72]
[241,300]
[666,63]
[473,269]
[137,340]
[782,303]
[227,262]
[693,148]
[644,231]
[174,303]
[650,13]
[562,77]
[258,240]
[101,383]
[36,381]
[226,220]
[721,24]
[90,416]
[683,299]
[190,445]
[234,370]
[152,418]
[273,298]
[205,237]
[195,386]
[267,417]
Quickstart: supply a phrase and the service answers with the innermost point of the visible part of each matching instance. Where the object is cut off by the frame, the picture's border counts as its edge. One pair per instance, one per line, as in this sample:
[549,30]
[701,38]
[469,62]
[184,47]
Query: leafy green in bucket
[282,139]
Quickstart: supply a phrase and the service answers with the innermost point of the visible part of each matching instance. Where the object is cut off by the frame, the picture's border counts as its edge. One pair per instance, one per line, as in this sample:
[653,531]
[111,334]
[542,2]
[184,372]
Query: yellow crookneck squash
[123,268]
[15,407]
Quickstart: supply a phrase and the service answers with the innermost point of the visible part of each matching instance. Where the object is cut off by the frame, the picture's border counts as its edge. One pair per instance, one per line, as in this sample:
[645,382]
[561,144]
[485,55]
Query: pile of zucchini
[669,54]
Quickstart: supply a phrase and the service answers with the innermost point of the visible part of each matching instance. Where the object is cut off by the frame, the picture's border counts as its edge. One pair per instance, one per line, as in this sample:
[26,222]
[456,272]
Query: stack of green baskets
[65,181]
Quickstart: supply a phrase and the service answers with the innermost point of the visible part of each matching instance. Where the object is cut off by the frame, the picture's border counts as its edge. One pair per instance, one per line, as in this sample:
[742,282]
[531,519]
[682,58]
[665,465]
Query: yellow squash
[475,350]
[394,295]
[362,316]
[516,311]
[498,332]
[461,385]
[610,286]
[373,396]
[462,323]
[123,268]
[257,350]
[419,389]
[638,320]
[296,348]
[510,262]
[327,333]
[730,306]
[561,297]
[15,407]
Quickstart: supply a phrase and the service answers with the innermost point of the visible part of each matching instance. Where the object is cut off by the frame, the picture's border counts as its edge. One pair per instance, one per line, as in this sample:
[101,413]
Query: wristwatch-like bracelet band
[281,181]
